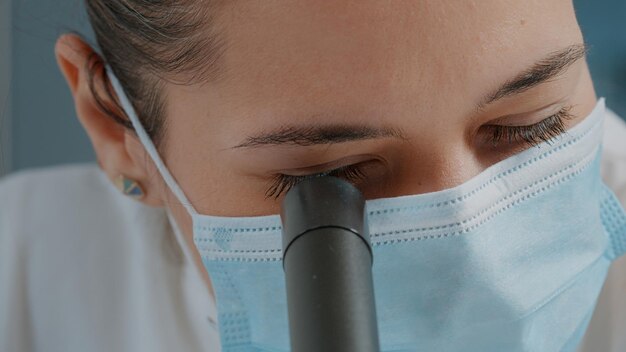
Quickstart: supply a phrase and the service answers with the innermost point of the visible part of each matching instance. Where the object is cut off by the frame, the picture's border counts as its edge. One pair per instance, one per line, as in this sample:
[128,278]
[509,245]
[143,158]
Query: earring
[129,187]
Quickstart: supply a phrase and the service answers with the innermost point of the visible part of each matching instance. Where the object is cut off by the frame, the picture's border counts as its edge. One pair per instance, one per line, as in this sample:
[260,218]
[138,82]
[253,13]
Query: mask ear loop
[147,143]
[167,177]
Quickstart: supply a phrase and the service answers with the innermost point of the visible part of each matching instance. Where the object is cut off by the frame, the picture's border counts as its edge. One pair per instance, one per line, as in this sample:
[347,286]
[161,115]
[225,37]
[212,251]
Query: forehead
[352,58]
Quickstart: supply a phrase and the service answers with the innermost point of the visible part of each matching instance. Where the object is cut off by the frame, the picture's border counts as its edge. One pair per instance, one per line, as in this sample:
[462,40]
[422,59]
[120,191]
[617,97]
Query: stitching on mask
[581,168]
[487,218]
[244,229]
[238,259]
[275,250]
[578,168]
[522,190]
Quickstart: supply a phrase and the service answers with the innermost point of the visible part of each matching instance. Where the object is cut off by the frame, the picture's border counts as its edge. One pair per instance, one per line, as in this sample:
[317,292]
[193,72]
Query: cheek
[213,187]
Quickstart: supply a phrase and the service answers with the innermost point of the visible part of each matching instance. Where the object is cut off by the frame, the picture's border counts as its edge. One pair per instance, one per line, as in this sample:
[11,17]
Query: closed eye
[543,131]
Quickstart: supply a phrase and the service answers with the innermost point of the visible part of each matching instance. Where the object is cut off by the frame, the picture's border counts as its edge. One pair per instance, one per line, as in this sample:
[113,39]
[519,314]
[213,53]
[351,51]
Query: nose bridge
[436,165]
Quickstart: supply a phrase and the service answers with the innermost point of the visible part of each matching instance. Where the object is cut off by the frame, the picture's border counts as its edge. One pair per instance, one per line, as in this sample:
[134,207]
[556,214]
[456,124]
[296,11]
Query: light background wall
[38,126]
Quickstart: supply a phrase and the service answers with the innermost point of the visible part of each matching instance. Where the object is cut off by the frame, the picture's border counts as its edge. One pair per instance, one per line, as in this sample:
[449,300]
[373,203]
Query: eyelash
[542,131]
[283,183]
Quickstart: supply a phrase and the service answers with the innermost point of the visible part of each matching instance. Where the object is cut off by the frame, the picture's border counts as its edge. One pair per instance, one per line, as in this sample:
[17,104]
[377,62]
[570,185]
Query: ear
[117,149]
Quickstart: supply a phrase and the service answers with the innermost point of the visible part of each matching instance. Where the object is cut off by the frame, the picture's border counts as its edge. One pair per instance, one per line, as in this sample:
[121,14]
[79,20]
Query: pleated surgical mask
[511,260]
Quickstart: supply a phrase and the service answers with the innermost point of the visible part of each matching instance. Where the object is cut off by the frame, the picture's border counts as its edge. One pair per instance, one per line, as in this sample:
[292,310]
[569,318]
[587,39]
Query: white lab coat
[84,268]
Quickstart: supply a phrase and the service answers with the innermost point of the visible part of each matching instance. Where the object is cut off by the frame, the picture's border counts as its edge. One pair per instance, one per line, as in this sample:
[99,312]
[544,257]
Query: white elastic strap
[147,143]
[198,271]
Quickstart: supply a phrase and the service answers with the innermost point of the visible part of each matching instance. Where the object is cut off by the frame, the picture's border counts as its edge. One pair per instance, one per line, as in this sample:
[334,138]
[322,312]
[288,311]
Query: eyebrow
[315,135]
[540,72]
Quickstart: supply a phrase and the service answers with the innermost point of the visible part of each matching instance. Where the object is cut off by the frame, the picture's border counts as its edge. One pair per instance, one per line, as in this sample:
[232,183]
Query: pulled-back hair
[147,43]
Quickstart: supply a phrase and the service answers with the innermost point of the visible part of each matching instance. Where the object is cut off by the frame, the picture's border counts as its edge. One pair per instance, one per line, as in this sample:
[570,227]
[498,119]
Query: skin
[416,66]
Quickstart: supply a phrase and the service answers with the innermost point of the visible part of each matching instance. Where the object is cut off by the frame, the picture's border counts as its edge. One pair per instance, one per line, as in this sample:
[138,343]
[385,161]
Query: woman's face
[401,90]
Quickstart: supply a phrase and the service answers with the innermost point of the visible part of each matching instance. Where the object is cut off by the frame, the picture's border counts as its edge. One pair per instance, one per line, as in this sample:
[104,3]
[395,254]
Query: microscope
[327,260]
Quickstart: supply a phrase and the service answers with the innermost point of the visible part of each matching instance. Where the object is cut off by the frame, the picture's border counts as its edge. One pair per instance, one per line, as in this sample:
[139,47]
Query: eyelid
[531,135]
[541,114]
[326,167]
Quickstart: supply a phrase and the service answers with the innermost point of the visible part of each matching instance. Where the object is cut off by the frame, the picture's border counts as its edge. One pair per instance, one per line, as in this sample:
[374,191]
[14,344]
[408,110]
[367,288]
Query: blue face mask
[511,260]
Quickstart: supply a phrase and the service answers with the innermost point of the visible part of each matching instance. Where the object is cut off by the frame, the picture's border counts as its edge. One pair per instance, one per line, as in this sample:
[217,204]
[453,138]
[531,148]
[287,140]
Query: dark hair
[147,43]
